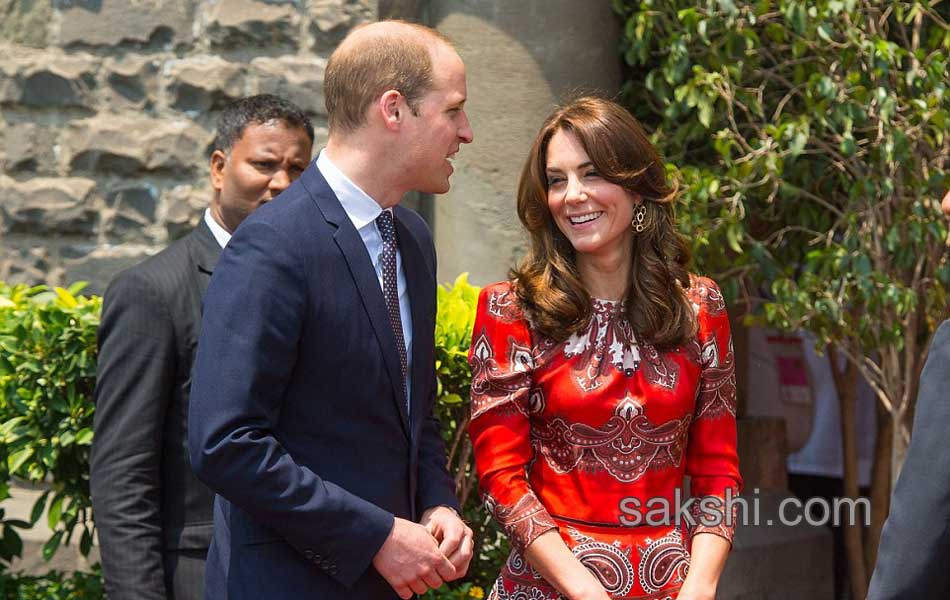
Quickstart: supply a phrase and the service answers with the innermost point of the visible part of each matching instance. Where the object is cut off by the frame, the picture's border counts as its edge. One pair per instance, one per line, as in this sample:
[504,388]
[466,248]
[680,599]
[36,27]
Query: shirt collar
[358,205]
[220,234]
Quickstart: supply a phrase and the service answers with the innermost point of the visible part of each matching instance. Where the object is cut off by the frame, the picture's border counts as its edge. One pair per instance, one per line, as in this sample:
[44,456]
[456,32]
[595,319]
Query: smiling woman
[603,371]
[592,156]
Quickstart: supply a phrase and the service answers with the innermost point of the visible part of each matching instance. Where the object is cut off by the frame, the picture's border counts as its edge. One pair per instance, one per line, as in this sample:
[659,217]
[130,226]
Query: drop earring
[639,215]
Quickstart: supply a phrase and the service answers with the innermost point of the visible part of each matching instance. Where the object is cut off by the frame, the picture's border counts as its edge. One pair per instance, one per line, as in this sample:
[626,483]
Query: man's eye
[262,164]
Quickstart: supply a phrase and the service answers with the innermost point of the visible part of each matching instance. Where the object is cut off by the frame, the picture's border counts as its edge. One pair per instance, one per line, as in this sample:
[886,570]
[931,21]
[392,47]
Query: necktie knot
[387,230]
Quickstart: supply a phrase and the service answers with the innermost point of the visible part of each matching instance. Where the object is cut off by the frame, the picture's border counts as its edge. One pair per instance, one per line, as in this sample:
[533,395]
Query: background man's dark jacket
[153,515]
[913,558]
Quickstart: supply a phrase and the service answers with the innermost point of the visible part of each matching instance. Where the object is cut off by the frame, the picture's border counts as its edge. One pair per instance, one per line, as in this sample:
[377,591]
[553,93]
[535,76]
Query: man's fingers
[445,569]
[404,592]
[451,539]
[432,579]
[418,586]
[464,552]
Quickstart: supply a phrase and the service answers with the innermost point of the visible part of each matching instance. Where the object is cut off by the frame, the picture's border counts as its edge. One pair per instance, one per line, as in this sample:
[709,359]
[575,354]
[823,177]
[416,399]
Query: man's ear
[392,107]
[218,161]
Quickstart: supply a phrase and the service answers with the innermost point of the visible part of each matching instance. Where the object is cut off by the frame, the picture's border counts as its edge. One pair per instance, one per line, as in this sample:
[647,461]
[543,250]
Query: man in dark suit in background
[314,384]
[153,515]
[915,544]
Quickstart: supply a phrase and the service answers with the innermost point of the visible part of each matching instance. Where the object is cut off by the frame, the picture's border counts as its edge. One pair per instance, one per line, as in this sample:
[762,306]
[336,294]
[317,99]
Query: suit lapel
[205,252]
[351,245]
[421,287]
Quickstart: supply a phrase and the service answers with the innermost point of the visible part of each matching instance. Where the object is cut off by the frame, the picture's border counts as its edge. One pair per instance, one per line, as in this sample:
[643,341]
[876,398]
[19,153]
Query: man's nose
[466,135]
[279,181]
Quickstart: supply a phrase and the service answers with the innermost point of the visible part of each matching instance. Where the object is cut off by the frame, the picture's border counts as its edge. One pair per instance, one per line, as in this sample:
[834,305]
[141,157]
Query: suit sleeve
[436,486]
[500,357]
[912,557]
[134,386]
[254,313]
[712,461]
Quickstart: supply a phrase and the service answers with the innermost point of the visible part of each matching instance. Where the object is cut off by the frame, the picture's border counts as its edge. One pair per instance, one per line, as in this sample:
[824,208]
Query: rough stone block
[182,208]
[297,79]
[47,205]
[100,266]
[26,147]
[241,23]
[25,21]
[202,84]
[46,79]
[28,265]
[112,22]
[131,81]
[330,20]
[125,145]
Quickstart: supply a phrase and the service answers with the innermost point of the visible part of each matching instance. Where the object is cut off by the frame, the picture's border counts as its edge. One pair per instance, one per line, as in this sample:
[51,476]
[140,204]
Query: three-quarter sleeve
[712,461]
[502,363]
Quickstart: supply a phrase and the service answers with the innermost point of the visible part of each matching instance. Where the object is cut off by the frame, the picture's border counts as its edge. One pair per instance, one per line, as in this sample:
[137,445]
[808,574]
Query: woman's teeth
[585,218]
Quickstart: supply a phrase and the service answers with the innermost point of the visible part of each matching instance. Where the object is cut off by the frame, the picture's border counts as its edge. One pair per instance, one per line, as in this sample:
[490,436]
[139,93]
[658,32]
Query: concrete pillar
[522,57]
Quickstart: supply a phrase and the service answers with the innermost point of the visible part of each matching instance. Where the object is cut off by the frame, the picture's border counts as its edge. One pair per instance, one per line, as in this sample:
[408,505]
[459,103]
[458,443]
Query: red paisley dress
[580,435]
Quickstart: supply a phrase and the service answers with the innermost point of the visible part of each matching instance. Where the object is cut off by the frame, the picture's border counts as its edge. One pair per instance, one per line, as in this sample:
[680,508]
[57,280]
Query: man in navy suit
[311,407]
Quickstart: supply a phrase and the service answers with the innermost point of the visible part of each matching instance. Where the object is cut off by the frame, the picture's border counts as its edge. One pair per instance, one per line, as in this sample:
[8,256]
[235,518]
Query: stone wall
[107,112]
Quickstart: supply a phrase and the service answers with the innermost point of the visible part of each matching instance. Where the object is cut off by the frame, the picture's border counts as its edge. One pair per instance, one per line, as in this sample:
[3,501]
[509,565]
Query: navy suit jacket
[298,419]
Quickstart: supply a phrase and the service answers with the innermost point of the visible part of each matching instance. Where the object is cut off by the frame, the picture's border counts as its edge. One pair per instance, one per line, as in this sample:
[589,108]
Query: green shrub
[52,586]
[455,319]
[47,374]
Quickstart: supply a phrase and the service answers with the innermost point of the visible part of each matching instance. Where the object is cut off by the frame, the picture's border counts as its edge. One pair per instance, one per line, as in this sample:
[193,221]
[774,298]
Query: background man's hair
[262,108]
[358,73]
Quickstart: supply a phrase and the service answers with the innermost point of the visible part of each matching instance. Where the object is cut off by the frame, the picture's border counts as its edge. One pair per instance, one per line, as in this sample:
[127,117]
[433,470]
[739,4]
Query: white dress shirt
[362,211]
[220,234]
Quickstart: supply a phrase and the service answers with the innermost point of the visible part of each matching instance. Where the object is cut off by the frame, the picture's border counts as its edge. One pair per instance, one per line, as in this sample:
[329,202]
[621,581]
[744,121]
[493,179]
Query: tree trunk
[846,383]
[880,484]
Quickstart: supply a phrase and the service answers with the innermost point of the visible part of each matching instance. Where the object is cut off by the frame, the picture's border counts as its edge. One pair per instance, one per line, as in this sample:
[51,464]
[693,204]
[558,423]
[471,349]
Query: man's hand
[453,535]
[410,560]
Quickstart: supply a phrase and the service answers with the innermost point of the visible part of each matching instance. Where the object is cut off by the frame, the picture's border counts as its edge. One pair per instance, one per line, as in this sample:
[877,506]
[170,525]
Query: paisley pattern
[566,432]
[662,562]
[626,446]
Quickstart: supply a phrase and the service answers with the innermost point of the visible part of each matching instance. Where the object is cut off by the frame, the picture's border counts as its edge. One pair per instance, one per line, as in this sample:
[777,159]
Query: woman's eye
[592,174]
[554,180]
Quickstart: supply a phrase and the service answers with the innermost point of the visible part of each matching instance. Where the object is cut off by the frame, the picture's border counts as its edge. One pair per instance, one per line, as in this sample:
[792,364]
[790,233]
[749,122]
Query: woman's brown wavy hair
[547,281]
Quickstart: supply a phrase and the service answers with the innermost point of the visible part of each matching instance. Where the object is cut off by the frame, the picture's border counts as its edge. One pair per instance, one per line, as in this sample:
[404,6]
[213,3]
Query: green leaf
[51,545]
[16,460]
[84,437]
[451,399]
[38,507]
[55,511]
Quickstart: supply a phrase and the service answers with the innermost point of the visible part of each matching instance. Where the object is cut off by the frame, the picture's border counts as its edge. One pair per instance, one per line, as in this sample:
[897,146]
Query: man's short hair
[261,108]
[396,58]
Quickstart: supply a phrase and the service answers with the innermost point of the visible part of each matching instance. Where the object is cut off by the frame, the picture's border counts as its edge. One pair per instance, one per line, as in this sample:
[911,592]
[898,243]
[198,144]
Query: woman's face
[591,212]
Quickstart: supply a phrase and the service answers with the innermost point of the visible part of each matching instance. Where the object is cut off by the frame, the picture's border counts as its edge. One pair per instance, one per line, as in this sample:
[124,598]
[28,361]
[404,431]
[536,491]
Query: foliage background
[811,141]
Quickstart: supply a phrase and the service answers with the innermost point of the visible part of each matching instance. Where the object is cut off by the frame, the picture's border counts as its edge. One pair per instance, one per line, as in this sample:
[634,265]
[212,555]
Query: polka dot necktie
[387,258]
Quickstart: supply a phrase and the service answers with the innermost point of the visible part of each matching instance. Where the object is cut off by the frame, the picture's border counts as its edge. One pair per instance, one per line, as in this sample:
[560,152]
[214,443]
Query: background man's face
[262,163]
[945,204]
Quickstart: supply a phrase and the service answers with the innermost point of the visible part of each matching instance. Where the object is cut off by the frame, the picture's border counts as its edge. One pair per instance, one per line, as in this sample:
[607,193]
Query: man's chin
[437,188]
